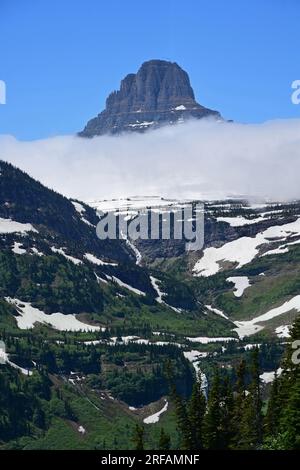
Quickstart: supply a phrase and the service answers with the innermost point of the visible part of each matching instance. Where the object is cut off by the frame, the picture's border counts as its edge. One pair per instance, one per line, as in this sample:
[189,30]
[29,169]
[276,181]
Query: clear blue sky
[61,58]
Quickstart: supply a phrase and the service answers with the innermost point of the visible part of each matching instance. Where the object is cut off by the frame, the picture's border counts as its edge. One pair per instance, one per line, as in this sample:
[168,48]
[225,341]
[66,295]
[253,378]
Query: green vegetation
[234,418]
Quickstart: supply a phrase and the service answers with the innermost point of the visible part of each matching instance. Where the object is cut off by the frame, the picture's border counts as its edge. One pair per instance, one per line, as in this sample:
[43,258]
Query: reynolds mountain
[159,93]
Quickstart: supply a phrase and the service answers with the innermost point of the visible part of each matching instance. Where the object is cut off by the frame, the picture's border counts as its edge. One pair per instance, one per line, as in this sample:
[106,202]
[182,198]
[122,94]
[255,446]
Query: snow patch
[10,226]
[216,311]
[155,286]
[155,417]
[17,249]
[283,331]
[160,294]
[193,355]
[127,286]
[247,328]
[239,221]
[93,259]
[269,377]
[78,207]
[68,257]
[81,430]
[36,251]
[243,250]
[5,359]
[206,340]
[29,315]
[241,283]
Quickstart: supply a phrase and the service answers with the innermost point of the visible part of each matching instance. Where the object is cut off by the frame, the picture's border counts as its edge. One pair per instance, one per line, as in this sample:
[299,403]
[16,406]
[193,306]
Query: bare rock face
[159,93]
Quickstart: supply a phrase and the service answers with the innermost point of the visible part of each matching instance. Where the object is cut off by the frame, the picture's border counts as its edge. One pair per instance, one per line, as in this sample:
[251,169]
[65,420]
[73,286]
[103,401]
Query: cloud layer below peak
[195,159]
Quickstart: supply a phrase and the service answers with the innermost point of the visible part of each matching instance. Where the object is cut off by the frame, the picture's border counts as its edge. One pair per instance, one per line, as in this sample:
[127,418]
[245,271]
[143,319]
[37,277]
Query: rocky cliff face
[159,93]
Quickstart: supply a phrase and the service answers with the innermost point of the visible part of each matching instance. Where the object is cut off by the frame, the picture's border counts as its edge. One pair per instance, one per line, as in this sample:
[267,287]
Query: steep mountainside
[159,93]
[91,328]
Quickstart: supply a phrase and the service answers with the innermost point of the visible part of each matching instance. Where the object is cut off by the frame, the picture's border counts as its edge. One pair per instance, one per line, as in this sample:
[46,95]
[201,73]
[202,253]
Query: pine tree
[138,437]
[39,418]
[212,418]
[290,419]
[196,412]
[183,422]
[273,410]
[227,413]
[238,406]
[182,418]
[164,440]
[252,415]
[289,425]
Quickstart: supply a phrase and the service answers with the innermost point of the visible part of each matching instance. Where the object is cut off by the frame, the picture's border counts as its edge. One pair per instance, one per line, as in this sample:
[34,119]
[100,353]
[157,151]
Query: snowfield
[268,377]
[126,286]
[93,259]
[155,417]
[138,255]
[247,328]
[240,221]
[240,251]
[243,250]
[193,355]
[206,340]
[241,283]
[29,315]
[283,331]
[4,359]
[81,210]
[10,226]
[155,285]
[195,358]
[281,249]
[216,311]
[160,294]
[60,251]
[17,249]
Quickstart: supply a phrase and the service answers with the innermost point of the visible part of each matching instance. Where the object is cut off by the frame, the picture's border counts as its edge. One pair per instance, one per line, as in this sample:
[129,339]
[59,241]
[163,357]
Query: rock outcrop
[159,93]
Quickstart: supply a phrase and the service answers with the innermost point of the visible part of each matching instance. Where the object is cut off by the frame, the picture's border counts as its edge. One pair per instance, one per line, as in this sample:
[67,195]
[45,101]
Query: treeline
[50,282]
[235,417]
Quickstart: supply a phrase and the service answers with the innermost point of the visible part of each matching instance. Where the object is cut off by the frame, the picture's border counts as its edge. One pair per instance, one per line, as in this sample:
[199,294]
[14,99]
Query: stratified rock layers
[159,93]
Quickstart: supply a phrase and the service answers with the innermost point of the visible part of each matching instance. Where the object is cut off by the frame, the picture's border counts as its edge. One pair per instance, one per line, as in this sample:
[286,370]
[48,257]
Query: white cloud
[187,160]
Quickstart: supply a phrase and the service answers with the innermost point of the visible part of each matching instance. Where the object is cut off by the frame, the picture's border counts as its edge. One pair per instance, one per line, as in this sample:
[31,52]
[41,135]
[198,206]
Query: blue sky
[61,58]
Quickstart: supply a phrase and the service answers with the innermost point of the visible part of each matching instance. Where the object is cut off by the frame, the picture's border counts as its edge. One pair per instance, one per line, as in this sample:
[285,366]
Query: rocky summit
[159,93]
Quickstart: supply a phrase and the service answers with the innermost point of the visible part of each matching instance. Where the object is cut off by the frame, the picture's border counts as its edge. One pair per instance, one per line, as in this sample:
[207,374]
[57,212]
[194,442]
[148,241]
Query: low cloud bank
[195,159]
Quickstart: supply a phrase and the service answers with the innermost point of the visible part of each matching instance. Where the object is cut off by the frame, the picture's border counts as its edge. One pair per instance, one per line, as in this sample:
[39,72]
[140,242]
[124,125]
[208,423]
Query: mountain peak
[159,93]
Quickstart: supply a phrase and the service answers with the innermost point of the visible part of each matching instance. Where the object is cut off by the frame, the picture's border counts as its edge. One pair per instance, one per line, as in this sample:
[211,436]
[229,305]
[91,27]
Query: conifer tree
[196,412]
[273,410]
[182,418]
[227,412]
[238,406]
[251,429]
[183,422]
[289,426]
[138,437]
[164,440]
[212,418]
